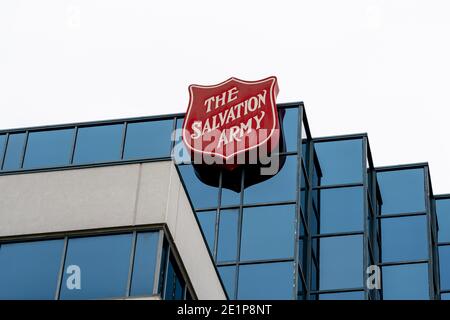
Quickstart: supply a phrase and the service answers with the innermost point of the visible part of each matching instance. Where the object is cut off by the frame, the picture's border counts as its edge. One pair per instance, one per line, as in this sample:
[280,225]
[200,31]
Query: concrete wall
[104,197]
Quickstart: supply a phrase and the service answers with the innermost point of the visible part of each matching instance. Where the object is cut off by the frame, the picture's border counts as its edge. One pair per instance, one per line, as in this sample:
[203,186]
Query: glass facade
[310,231]
[103,266]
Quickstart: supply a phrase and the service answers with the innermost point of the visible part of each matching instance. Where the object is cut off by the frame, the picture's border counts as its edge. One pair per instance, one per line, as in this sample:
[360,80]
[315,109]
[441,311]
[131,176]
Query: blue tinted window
[228,276]
[49,148]
[405,282]
[29,270]
[404,238]
[144,263]
[14,151]
[290,128]
[341,262]
[354,295]
[174,282]
[341,210]
[201,194]
[98,144]
[104,264]
[268,232]
[151,139]
[207,220]
[228,235]
[280,187]
[180,152]
[444,267]
[445,296]
[402,191]
[340,161]
[266,281]
[2,147]
[443,215]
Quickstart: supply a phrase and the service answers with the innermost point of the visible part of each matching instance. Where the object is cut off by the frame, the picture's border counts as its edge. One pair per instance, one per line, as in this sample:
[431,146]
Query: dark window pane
[268,232]
[405,282]
[402,191]
[98,144]
[404,238]
[266,281]
[443,215]
[341,262]
[201,194]
[104,264]
[341,210]
[230,197]
[29,270]
[290,128]
[340,161]
[354,295]
[444,266]
[228,235]
[14,151]
[207,220]
[228,276]
[49,148]
[303,187]
[280,187]
[175,284]
[150,139]
[144,263]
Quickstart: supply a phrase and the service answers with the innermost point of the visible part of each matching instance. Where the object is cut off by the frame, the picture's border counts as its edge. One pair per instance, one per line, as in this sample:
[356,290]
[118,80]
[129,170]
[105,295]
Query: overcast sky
[381,67]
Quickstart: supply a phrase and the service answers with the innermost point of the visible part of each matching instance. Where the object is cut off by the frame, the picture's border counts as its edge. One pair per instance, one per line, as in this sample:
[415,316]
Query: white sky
[375,66]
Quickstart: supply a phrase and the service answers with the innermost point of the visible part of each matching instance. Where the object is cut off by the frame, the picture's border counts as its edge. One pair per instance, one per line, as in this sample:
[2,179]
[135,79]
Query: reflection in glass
[201,194]
[340,161]
[104,264]
[443,216]
[266,281]
[402,191]
[444,267]
[14,151]
[207,220]
[150,139]
[290,128]
[228,235]
[341,210]
[405,282]
[49,148]
[228,276]
[98,144]
[341,262]
[353,295]
[29,270]
[268,232]
[144,263]
[404,238]
[280,187]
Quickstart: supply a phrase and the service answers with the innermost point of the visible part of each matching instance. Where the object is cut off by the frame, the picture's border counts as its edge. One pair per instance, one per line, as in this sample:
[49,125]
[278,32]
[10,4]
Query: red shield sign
[232,118]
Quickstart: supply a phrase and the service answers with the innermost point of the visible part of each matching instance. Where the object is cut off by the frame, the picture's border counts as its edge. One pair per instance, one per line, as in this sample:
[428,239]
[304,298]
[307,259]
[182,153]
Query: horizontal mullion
[337,234]
[338,290]
[400,215]
[341,185]
[403,262]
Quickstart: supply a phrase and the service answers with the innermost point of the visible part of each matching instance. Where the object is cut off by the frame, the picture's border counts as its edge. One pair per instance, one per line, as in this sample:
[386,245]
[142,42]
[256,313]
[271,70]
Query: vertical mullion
[431,290]
[131,265]
[240,218]
[74,144]
[366,217]
[3,154]
[158,263]
[166,267]
[124,137]
[298,202]
[61,269]
[309,213]
[24,149]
